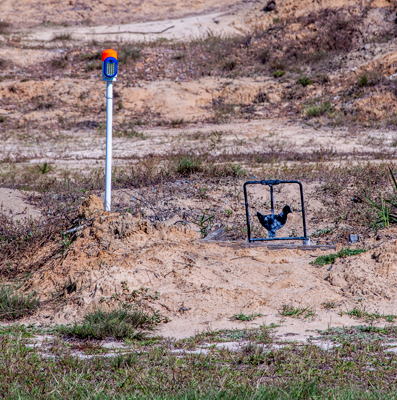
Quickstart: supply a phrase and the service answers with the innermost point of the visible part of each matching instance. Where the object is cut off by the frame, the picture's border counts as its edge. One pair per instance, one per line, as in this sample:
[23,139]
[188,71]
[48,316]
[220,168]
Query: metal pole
[109,123]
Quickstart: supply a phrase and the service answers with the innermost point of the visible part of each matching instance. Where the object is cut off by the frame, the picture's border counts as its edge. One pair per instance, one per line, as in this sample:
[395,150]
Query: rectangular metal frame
[272,183]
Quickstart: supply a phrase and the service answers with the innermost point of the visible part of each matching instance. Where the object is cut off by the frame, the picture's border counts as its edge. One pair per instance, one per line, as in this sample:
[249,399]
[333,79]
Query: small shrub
[237,170]
[177,122]
[278,74]
[62,37]
[230,65]
[45,168]
[179,56]
[188,166]
[277,64]
[59,63]
[368,79]
[261,97]
[4,27]
[263,56]
[127,54]
[204,223]
[305,81]
[363,80]
[329,305]
[318,110]
[117,324]
[15,306]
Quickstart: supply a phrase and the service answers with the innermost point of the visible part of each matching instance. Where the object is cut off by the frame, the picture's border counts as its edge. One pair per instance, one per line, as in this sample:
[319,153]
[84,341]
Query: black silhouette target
[272,222]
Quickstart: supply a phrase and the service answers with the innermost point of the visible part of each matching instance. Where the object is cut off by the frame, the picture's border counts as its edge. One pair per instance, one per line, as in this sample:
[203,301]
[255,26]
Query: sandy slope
[73,12]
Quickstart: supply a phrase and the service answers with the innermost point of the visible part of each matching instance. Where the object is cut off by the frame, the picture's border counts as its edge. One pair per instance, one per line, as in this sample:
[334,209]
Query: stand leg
[109,123]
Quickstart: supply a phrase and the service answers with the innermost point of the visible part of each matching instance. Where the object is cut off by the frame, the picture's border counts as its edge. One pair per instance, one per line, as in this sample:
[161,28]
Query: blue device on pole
[110,67]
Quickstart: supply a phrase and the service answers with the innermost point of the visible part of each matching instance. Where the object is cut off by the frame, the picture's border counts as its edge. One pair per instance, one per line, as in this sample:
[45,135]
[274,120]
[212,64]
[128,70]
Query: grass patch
[296,312]
[244,317]
[278,74]
[188,166]
[305,81]
[361,313]
[359,366]
[122,323]
[385,209]
[129,54]
[318,110]
[14,306]
[330,258]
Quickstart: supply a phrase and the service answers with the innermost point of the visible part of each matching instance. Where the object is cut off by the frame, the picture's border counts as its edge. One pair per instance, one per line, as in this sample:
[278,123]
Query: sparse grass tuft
[188,166]
[361,313]
[305,81]
[330,258]
[296,312]
[129,54]
[278,73]
[319,109]
[385,209]
[244,317]
[117,324]
[15,306]
[329,305]
[59,63]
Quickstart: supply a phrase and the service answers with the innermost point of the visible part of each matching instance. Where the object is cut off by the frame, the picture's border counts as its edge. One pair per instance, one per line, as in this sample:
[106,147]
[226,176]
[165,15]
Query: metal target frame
[272,183]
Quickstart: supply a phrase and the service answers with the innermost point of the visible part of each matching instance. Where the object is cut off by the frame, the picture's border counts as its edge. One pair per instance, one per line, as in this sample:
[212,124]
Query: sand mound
[373,273]
[118,254]
[194,282]
[92,206]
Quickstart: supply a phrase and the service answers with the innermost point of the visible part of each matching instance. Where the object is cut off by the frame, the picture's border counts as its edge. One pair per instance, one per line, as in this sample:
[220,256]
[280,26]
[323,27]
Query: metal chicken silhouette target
[273,222]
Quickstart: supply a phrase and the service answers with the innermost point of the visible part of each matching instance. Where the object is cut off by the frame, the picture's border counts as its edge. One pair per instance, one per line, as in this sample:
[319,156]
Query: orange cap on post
[109,53]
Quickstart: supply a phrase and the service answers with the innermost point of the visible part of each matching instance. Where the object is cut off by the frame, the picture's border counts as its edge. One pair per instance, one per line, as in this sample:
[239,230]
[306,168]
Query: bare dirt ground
[208,96]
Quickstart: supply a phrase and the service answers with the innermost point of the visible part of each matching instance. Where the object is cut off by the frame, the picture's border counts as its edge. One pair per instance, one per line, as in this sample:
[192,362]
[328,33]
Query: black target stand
[272,183]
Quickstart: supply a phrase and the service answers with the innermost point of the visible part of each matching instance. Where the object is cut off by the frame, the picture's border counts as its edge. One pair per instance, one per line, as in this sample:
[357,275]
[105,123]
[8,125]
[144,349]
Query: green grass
[278,74]
[330,258]
[318,109]
[385,209]
[15,306]
[305,81]
[117,324]
[244,317]
[188,166]
[296,312]
[357,367]
[361,313]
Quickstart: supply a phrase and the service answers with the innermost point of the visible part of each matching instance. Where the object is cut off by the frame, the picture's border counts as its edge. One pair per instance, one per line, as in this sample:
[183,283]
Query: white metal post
[109,123]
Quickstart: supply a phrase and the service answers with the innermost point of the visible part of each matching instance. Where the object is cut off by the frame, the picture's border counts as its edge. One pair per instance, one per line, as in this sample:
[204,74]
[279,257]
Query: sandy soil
[236,137]
[202,285]
[72,12]
[14,203]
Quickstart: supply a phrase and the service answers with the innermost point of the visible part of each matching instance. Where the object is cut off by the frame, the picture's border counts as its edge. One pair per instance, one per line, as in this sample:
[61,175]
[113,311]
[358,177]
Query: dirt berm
[199,283]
